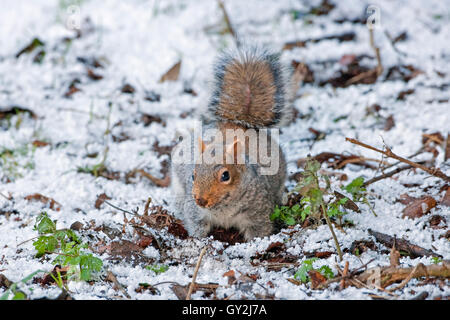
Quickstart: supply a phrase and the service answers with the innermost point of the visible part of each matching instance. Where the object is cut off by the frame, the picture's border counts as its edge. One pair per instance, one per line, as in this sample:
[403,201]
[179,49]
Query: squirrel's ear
[202,145]
[234,149]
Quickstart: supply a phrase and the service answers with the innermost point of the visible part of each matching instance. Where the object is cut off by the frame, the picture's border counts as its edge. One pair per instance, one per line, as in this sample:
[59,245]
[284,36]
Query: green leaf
[355,186]
[158,268]
[305,267]
[88,265]
[436,260]
[45,244]
[326,272]
[19,295]
[44,224]
[290,221]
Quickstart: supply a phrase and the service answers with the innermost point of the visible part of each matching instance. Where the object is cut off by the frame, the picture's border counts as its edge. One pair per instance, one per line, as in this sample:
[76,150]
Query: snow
[138,41]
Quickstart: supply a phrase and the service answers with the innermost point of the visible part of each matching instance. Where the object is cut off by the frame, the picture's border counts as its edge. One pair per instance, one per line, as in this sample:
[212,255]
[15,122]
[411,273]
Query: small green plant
[14,161]
[289,215]
[13,291]
[318,202]
[70,252]
[158,268]
[436,260]
[358,191]
[306,266]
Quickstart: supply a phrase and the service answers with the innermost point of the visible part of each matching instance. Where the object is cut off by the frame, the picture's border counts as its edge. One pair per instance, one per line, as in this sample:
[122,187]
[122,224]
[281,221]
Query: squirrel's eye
[225,176]
[193,178]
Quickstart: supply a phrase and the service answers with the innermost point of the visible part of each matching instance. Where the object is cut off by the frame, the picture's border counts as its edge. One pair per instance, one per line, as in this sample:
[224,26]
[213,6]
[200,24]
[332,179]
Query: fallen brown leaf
[54,205]
[39,143]
[316,278]
[419,207]
[446,198]
[172,74]
[100,200]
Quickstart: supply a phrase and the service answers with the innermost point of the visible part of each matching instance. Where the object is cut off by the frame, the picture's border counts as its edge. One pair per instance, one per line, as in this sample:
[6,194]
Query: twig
[386,175]
[228,22]
[165,282]
[344,274]
[402,245]
[433,171]
[7,198]
[393,44]
[389,275]
[194,277]
[123,210]
[359,159]
[163,183]
[408,278]
[338,248]
[147,205]
[111,277]
[377,52]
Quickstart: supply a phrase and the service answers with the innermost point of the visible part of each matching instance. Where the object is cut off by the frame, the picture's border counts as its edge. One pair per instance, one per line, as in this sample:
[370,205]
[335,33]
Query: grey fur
[248,209]
[249,206]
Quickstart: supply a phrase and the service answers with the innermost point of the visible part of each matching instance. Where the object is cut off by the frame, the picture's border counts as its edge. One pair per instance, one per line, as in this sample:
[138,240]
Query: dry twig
[433,171]
[194,277]
[228,22]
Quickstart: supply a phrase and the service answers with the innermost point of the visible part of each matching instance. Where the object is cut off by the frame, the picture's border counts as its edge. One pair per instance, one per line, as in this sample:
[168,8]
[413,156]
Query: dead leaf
[402,94]
[14,110]
[405,199]
[180,291]
[349,204]
[127,88]
[231,277]
[390,123]
[162,150]
[77,226]
[172,74]
[72,88]
[39,143]
[446,199]
[316,278]
[447,148]
[145,241]
[100,200]
[148,119]
[54,205]
[93,76]
[436,220]
[143,287]
[36,42]
[5,283]
[178,230]
[360,246]
[419,207]
[394,257]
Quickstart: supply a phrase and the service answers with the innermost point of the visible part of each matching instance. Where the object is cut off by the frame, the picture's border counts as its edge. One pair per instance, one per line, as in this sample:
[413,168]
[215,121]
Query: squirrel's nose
[201,202]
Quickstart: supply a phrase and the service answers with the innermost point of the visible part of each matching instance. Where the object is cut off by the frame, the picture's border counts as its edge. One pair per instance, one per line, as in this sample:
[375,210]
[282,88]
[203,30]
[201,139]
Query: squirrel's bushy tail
[249,89]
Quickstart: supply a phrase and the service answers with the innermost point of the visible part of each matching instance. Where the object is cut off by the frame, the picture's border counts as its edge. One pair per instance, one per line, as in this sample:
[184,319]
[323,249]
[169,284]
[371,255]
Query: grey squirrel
[249,93]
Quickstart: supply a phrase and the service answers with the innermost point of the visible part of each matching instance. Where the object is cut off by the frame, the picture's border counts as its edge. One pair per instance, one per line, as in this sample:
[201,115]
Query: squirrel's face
[215,184]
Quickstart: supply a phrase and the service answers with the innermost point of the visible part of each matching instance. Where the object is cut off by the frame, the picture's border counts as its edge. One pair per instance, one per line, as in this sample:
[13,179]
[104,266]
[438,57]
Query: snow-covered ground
[137,42]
